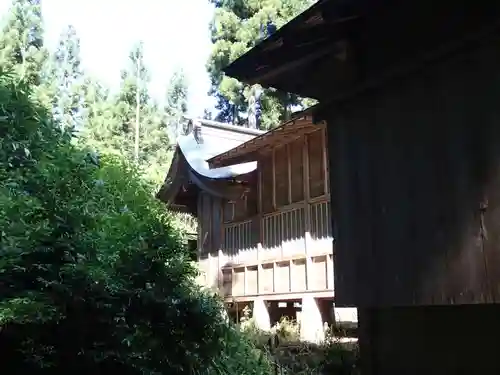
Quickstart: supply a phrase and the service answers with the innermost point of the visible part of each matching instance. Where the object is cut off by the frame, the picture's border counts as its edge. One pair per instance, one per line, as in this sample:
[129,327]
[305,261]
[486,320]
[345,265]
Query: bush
[93,274]
[291,356]
[240,356]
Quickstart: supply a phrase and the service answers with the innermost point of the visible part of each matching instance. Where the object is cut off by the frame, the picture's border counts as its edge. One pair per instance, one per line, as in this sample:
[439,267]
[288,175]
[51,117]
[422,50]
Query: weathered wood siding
[417,205]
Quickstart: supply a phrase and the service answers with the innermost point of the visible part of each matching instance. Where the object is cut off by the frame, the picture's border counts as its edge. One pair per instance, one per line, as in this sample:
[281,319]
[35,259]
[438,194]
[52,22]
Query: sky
[175,35]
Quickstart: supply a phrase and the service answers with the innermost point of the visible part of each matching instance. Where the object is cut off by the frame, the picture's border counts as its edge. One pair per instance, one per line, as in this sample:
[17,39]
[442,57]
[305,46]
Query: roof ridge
[225,126]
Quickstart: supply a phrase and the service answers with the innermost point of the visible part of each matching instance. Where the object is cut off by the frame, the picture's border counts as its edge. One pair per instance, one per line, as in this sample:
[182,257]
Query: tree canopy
[237,26]
[95,276]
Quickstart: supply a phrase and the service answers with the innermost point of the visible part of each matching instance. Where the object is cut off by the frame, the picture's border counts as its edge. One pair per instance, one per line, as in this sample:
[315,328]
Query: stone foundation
[311,321]
[261,314]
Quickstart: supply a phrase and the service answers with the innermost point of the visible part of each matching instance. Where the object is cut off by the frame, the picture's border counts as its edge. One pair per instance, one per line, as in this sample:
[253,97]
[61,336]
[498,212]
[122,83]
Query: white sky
[175,34]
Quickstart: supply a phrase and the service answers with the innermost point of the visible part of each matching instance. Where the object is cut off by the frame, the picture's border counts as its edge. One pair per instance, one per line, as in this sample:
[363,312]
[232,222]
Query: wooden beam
[289,168]
[251,150]
[280,296]
[272,260]
[259,269]
[307,193]
[325,161]
[330,271]
[259,186]
[298,46]
[260,225]
[245,281]
[275,277]
[273,156]
[307,210]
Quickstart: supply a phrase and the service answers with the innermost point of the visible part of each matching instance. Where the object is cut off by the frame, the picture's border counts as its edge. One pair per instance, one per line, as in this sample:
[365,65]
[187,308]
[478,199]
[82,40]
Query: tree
[66,74]
[94,275]
[176,102]
[140,75]
[114,120]
[21,40]
[130,124]
[103,128]
[236,27]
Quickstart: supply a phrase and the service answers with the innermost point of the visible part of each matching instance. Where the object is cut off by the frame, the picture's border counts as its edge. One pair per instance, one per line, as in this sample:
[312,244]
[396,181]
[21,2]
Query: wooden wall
[294,172]
[418,201]
[278,238]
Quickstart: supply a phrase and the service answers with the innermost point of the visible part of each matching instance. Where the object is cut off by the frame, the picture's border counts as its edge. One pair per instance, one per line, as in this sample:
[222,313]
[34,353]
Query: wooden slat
[281,177]
[266,168]
[297,168]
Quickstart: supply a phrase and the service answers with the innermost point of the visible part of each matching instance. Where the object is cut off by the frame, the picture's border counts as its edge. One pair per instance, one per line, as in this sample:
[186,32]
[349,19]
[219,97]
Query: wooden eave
[252,149]
[318,34]
[339,46]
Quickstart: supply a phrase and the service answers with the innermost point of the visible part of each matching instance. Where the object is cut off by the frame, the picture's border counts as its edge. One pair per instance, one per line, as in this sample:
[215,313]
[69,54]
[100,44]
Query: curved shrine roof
[203,140]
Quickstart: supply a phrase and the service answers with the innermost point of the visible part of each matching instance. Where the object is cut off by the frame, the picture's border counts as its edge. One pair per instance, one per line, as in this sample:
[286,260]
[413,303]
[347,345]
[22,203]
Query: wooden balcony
[280,255]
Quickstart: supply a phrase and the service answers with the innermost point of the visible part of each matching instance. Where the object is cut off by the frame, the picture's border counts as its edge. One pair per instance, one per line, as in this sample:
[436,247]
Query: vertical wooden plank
[217,230]
[307,211]
[389,169]
[219,270]
[316,166]
[289,166]
[484,113]
[259,276]
[275,277]
[330,272]
[361,174]
[210,272]
[259,227]
[324,143]
[460,190]
[489,213]
[233,282]
[245,280]
[273,160]
[259,186]
[341,149]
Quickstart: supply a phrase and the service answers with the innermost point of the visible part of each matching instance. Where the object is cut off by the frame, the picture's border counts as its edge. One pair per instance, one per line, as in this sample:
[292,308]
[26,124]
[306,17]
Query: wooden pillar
[307,212]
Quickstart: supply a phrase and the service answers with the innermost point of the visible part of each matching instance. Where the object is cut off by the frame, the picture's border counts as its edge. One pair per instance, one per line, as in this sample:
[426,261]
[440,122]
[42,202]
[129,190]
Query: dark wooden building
[409,91]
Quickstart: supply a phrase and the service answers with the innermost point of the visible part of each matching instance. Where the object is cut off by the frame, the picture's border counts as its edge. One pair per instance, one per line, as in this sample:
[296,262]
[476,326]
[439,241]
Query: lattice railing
[237,243]
[284,230]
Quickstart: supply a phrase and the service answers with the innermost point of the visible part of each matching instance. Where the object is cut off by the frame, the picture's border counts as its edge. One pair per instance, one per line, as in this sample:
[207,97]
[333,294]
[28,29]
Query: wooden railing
[283,233]
[237,243]
[294,253]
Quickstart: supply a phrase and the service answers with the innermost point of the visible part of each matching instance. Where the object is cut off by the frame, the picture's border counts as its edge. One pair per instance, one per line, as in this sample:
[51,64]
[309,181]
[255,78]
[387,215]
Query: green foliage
[176,102]
[110,120]
[21,40]
[93,274]
[62,77]
[239,356]
[236,27]
[289,355]
[287,330]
